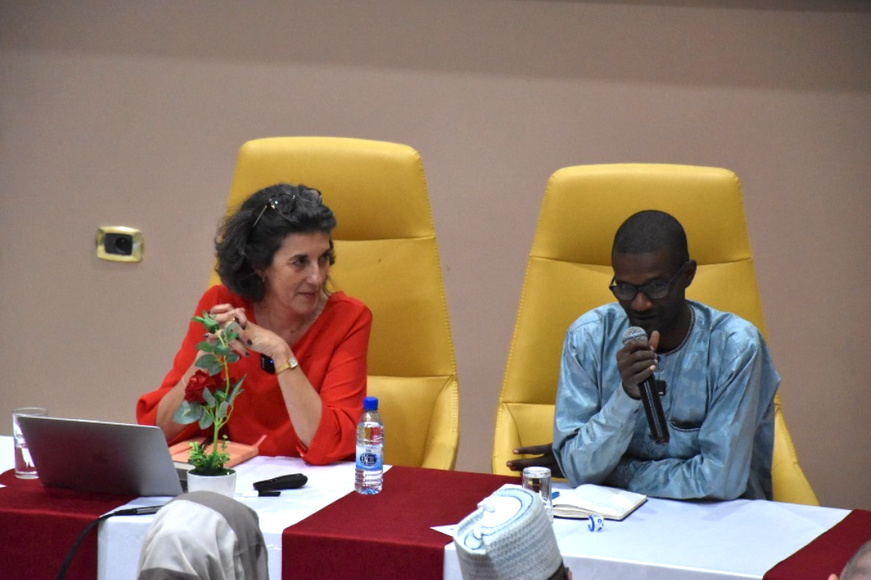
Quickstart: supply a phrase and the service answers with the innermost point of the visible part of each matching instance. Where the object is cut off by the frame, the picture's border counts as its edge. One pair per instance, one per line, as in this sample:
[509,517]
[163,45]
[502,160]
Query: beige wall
[131,113]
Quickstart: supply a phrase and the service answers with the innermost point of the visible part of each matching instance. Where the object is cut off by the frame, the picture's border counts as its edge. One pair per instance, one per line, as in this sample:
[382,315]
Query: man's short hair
[650,231]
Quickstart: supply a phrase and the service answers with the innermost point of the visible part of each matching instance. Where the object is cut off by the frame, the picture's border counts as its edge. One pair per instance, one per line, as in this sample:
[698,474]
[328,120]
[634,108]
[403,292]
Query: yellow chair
[387,256]
[569,270]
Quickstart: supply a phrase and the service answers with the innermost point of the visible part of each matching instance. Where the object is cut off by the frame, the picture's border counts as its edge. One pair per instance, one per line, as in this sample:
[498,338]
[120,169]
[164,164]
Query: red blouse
[332,353]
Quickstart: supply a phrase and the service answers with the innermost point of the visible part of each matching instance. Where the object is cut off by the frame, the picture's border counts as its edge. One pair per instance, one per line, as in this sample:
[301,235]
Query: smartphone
[267,364]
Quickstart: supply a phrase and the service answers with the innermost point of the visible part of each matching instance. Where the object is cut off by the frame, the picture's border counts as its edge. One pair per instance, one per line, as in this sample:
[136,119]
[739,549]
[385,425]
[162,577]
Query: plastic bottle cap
[370,404]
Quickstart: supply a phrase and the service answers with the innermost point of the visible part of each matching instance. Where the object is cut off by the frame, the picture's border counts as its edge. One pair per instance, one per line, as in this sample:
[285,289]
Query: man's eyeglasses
[655,290]
[284,204]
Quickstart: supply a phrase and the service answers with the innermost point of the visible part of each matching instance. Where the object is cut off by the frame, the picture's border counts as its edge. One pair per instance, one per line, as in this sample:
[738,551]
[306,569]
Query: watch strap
[291,364]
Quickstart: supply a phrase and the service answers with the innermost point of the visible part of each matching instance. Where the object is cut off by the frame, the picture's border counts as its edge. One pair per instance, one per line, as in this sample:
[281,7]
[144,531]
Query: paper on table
[447,530]
[450,529]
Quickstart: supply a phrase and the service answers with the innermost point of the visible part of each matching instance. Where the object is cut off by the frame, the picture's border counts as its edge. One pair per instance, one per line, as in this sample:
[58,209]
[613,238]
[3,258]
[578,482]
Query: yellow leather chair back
[387,256]
[569,269]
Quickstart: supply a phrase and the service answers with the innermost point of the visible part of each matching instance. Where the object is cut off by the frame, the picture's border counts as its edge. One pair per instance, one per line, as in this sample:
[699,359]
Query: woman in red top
[274,258]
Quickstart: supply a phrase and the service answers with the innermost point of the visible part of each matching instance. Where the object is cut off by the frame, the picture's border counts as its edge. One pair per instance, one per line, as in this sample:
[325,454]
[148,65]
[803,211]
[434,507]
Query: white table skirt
[683,540]
[121,537]
[7,453]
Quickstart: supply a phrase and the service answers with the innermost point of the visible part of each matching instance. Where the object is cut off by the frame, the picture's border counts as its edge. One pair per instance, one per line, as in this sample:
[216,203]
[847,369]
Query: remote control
[291,481]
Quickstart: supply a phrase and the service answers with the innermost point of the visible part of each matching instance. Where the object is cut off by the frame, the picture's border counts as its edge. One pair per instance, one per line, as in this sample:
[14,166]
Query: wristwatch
[291,364]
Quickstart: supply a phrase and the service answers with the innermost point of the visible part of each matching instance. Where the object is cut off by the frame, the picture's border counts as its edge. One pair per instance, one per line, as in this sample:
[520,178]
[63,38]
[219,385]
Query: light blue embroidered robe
[719,403]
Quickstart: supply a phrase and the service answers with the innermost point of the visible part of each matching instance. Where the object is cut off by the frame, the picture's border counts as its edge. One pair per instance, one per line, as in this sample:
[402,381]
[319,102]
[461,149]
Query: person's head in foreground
[859,566]
[509,537]
[207,536]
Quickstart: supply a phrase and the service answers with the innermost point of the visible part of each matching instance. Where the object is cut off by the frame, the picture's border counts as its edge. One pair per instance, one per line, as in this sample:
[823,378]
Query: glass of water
[538,479]
[24,467]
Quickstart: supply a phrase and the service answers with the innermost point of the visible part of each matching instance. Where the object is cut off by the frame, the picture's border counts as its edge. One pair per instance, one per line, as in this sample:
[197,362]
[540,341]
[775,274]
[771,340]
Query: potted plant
[208,399]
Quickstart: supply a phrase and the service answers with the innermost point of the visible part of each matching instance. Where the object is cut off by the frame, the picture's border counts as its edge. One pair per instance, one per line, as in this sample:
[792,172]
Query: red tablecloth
[386,535]
[38,527]
[829,553]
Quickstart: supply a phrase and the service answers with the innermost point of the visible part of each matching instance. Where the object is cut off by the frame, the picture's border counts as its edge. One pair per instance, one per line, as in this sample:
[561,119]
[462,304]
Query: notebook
[588,499]
[101,457]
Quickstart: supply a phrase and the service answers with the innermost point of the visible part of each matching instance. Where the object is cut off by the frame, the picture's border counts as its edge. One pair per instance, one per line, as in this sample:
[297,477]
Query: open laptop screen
[101,457]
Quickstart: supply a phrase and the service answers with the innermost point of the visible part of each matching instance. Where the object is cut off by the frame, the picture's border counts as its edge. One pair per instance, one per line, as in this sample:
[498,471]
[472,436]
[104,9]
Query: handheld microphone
[649,395]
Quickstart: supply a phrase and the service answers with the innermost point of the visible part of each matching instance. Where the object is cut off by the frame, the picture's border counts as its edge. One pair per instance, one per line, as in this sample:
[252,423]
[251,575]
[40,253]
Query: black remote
[291,481]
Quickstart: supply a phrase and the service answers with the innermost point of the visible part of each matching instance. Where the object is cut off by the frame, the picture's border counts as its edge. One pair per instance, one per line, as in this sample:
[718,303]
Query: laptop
[101,457]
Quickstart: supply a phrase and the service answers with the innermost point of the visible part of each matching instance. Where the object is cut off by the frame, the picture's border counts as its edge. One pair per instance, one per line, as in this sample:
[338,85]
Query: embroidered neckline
[689,332]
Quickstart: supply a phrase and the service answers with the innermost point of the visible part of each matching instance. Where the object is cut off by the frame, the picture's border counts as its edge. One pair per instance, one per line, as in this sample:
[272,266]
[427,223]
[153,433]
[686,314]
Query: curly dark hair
[248,239]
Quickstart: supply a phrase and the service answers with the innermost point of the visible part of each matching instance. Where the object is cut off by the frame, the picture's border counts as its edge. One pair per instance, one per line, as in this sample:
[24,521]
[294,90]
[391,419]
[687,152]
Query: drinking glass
[538,479]
[24,467]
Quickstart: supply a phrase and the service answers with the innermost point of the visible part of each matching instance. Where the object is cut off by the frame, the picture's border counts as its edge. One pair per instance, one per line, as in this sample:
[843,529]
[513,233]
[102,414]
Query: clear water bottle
[370,449]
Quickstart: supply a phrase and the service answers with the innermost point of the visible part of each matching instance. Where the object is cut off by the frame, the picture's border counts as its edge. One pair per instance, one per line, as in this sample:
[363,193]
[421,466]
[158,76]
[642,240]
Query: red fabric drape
[829,553]
[38,526]
[386,535]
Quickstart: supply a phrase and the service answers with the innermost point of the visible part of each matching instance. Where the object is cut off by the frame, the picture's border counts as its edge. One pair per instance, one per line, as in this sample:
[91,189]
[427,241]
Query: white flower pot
[223,484]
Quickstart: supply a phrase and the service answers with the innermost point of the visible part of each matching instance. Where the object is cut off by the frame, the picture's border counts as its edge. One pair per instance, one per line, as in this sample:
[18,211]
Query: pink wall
[116,113]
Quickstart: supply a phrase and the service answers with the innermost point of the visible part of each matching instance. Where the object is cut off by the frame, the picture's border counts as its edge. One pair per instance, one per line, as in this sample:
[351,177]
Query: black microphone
[649,395]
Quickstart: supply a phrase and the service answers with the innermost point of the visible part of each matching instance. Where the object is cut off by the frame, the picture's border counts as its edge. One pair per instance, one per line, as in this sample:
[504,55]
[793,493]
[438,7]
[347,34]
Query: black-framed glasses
[655,290]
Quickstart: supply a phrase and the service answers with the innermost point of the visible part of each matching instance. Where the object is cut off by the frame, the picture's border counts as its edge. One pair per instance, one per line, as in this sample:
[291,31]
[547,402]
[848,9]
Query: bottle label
[368,458]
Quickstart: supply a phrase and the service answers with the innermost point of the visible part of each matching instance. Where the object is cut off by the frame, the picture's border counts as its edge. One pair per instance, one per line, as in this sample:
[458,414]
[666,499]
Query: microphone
[649,395]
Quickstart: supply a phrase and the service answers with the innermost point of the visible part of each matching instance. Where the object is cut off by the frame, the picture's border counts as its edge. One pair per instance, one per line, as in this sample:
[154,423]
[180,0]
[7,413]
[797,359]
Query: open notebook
[101,457]
[588,499]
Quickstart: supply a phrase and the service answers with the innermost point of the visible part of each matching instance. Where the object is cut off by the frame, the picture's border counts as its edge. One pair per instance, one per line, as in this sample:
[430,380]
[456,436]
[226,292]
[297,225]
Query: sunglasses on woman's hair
[284,204]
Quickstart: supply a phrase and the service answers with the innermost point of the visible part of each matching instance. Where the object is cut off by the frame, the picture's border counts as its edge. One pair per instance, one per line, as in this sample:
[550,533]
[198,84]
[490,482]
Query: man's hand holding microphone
[636,362]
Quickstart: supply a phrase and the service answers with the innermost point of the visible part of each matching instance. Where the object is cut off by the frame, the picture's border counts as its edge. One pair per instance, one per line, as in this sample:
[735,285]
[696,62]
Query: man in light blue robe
[717,374]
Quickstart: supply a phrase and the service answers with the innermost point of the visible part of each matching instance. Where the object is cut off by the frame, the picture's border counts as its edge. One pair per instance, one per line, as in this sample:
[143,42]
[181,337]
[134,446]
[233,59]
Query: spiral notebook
[101,457]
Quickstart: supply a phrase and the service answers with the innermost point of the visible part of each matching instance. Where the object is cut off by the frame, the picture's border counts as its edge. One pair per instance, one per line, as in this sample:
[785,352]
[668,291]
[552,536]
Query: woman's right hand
[252,337]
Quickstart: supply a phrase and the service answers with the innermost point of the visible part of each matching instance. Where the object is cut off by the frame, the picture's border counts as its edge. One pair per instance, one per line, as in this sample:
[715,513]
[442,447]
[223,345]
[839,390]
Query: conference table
[325,530]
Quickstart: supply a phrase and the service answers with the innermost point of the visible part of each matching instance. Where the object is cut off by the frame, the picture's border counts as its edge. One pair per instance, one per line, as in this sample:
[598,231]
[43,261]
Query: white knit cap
[509,536]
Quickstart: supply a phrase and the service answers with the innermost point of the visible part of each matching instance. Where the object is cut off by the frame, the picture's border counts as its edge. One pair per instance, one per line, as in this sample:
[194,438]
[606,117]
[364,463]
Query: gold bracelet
[291,364]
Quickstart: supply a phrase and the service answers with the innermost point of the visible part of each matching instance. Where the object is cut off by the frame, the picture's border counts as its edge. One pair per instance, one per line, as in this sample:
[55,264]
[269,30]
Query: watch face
[267,364]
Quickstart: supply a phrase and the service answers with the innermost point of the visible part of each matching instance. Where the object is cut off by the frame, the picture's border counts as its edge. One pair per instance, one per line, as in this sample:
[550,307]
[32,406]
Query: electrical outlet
[120,244]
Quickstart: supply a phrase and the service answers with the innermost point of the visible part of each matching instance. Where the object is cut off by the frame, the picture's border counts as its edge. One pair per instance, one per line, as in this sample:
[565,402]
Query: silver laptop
[96,456]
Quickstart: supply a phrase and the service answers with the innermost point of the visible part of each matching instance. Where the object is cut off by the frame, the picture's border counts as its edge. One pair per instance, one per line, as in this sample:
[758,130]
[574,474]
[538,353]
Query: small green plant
[209,395]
